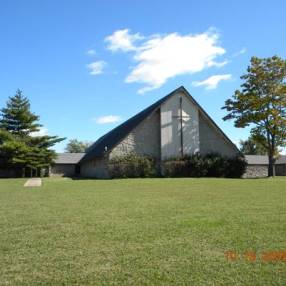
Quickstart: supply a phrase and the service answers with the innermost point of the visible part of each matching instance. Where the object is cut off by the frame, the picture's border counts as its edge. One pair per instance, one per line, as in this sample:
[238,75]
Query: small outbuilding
[257,166]
[280,166]
[66,165]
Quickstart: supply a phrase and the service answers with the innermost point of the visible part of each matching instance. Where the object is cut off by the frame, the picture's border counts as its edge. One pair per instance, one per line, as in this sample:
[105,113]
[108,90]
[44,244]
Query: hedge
[132,166]
[210,165]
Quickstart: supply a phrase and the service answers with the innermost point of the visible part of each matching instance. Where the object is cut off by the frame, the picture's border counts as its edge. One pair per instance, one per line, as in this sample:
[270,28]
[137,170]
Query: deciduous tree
[261,104]
[76,146]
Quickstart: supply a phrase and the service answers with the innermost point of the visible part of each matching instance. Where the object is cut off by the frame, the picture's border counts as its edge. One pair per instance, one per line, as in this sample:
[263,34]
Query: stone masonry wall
[96,168]
[143,140]
[256,171]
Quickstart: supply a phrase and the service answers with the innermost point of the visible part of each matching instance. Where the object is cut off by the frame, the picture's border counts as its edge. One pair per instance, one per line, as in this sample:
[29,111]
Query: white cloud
[107,119]
[122,40]
[213,81]
[96,67]
[90,52]
[161,57]
[42,132]
[240,52]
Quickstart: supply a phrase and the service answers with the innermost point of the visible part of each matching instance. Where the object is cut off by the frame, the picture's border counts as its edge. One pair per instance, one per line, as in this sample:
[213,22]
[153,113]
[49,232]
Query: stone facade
[143,140]
[96,168]
[256,171]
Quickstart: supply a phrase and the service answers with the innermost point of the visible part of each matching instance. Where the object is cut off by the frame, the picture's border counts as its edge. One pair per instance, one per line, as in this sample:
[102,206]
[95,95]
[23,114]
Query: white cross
[181,118]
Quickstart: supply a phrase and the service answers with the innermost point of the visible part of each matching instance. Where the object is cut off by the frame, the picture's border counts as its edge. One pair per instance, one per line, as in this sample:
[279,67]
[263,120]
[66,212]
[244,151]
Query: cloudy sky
[89,65]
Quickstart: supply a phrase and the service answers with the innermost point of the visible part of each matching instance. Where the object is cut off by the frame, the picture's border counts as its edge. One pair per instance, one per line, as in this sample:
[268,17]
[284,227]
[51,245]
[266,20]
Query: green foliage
[261,103]
[17,118]
[20,146]
[12,151]
[252,146]
[210,165]
[76,146]
[132,166]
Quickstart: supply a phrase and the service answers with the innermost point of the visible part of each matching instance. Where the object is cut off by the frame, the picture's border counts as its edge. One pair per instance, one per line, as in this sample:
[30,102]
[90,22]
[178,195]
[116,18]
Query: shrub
[210,165]
[236,167]
[132,166]
[174,168]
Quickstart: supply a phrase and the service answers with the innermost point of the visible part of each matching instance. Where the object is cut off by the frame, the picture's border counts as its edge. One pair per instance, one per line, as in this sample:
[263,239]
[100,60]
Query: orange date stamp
[253,256]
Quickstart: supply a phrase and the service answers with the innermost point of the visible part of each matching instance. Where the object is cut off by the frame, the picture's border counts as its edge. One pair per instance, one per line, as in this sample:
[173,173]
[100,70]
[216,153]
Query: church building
[174,126]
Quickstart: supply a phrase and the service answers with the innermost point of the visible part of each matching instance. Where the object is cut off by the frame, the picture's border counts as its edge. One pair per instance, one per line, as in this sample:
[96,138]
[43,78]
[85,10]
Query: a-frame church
[171,127]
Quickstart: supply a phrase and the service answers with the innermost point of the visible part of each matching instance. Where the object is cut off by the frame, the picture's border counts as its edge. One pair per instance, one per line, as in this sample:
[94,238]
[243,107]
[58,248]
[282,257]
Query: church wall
[211,141]
[63,170]
[171,128]
[143,140]
[96,168]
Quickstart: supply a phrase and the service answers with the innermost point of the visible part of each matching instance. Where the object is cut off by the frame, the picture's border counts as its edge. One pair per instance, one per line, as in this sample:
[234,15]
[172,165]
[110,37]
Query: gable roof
[112,138]
[68,158]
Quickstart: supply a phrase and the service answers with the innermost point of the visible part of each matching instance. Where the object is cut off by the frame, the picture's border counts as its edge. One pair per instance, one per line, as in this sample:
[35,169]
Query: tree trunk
[271,148]
[270,165]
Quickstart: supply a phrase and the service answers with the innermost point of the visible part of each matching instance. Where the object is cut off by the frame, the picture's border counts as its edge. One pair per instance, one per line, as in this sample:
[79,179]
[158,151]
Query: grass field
[142,232]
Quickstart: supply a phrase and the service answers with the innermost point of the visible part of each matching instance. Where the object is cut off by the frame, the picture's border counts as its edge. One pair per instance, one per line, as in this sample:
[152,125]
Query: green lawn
[142,232]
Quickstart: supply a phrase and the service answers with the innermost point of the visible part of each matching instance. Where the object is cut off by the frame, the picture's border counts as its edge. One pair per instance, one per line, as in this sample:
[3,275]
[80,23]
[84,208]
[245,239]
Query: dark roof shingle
[68,158]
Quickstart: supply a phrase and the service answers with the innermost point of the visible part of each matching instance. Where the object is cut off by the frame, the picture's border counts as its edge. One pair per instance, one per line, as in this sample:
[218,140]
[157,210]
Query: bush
[174,168]
[132,166]
[210,165]
[236,167]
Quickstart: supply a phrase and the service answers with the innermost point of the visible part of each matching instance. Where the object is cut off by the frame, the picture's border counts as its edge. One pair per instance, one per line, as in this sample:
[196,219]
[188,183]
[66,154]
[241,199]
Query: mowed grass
[142,232]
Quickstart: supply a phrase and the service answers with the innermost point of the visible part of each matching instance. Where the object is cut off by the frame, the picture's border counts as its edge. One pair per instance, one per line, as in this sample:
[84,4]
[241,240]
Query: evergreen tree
[19,146]
[17,117]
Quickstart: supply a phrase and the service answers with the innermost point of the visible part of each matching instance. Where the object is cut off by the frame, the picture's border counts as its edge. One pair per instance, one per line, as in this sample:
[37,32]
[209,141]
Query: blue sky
[88,65]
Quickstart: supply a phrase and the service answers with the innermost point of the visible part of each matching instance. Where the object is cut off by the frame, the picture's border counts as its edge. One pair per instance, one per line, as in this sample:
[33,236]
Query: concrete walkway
[34,182]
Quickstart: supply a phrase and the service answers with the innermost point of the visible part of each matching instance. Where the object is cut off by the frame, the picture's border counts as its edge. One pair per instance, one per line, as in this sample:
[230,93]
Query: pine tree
[17,117]
[20,147]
